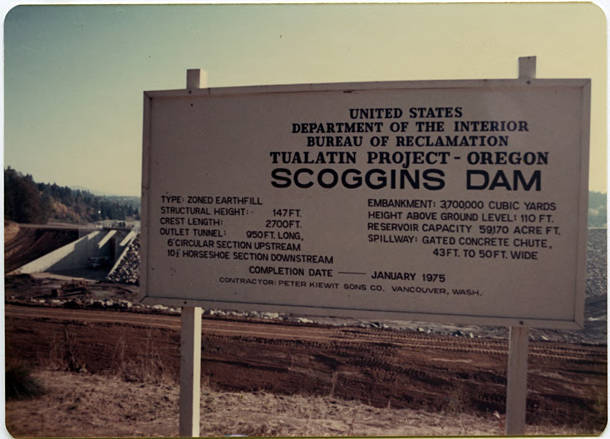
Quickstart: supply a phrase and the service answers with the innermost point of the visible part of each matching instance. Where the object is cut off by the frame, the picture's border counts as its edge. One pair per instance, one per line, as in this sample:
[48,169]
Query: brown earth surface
[88,405]
[290,379]
[77,405]
[23,244]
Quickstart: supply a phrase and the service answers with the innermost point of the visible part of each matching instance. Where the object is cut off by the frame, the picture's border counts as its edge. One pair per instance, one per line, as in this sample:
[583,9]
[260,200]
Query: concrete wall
[74,255]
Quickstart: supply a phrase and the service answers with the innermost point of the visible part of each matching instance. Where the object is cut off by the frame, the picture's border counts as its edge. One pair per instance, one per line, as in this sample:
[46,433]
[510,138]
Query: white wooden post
[527,67]
[190,334]
[196,78]
[190,371]
[516,383]
[516,379]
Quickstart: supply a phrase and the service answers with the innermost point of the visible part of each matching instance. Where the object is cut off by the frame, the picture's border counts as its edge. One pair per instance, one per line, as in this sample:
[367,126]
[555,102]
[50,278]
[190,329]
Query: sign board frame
[574,321]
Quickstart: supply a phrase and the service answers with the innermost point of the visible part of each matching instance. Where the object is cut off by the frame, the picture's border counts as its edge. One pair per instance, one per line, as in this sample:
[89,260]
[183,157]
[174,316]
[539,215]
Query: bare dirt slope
[24,244]
[385,370]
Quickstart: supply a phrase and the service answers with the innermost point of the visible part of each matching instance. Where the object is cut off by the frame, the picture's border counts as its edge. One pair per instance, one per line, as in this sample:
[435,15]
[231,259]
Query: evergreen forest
[26,201]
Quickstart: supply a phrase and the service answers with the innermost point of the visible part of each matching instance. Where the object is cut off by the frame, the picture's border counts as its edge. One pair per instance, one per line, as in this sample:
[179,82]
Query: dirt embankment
[25,244]
[380,368]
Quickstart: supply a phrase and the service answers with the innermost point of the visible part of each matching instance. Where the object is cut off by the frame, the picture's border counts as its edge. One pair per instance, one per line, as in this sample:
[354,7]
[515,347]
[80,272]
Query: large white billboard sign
[461,201]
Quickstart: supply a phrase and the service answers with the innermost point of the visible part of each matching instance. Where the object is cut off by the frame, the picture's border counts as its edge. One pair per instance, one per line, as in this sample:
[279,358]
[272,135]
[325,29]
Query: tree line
[27,201]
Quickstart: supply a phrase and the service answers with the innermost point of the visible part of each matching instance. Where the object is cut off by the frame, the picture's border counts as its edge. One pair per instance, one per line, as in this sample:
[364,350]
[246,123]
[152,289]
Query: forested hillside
[27,201]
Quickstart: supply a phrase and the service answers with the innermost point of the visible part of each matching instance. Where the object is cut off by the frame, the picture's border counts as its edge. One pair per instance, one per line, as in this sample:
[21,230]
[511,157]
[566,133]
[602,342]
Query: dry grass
[80,404]
[147,366]
[20,384]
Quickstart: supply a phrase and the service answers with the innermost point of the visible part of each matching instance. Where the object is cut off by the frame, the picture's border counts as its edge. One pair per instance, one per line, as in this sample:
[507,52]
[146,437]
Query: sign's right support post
[516,382]
[527,67]
[516,379]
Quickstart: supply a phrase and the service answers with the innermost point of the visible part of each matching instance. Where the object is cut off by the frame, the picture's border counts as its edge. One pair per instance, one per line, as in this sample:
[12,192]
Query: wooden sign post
[190,371]
[516,382]
[516,374]
[190,337]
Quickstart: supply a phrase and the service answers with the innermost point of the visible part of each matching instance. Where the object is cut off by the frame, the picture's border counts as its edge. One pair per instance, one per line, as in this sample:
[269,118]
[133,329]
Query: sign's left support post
[190,338]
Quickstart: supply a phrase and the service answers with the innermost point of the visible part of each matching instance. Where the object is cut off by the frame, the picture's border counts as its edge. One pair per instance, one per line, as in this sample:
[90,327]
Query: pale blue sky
[74,75]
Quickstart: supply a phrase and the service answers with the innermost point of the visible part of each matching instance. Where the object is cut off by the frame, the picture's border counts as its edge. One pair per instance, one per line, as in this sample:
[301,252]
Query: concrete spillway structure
[97,251]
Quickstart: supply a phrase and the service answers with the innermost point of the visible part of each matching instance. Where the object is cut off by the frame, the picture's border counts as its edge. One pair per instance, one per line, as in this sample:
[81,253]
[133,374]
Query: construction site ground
[116,373]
